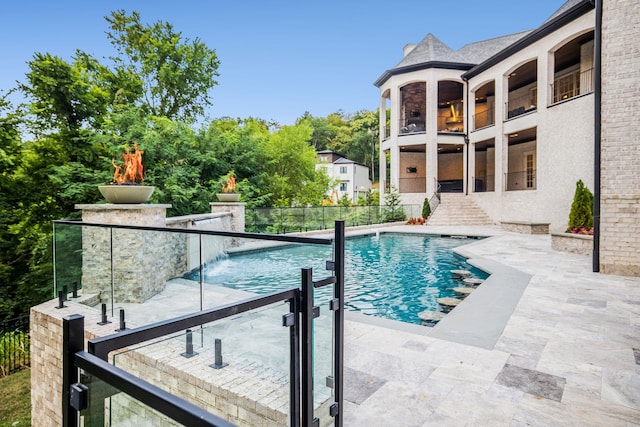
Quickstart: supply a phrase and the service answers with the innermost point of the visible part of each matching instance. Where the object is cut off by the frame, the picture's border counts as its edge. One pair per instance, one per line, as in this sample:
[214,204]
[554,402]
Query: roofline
[544,30]
[422,66]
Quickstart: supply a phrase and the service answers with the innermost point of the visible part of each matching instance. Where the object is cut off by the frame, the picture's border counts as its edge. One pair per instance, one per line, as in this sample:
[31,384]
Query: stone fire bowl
[126,193]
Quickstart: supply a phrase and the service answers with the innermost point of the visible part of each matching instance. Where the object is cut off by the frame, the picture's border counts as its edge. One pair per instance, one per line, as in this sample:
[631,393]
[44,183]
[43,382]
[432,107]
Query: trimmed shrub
[581,214]
[426,208]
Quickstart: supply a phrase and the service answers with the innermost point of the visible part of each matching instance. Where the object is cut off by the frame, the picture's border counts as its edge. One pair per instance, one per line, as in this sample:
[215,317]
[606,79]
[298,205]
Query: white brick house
[348,177]
[507,120]
[513,122]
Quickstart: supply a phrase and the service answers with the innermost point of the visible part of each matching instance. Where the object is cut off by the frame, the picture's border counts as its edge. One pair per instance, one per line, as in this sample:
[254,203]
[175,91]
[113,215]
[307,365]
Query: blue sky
[278,58]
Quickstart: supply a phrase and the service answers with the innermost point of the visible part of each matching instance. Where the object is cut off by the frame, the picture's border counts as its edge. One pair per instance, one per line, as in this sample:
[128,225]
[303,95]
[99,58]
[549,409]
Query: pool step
[430,317]
[460,274]
[447,304]
[472,281]
[463,291]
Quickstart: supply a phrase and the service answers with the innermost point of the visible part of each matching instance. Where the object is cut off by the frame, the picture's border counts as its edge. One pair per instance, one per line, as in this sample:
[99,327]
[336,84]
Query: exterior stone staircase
[458,209]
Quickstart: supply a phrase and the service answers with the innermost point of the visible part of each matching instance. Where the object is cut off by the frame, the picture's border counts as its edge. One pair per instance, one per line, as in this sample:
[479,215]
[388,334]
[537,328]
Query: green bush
[426,208]
[581,214]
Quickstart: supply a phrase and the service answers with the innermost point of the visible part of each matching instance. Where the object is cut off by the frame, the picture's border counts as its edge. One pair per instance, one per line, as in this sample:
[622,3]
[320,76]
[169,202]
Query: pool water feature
[390,275]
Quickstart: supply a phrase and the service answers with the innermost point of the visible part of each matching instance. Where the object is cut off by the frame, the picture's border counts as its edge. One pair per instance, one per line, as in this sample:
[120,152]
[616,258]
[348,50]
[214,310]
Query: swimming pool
[389,275]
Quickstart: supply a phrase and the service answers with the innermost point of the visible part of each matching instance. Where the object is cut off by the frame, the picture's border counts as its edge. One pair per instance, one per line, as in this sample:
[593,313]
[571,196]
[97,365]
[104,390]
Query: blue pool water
[394,276]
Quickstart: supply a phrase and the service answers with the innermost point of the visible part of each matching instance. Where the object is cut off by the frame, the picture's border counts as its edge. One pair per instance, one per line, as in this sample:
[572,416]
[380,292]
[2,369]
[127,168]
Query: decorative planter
[571,242]
[126,193]
[228,197]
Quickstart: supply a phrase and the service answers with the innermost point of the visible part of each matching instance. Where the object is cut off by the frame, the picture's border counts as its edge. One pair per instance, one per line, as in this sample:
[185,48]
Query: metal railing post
[338,293]
[72,343]
[307,348]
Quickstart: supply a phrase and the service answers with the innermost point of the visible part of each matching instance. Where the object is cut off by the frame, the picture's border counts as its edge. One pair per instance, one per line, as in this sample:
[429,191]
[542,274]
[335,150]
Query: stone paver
[573,336]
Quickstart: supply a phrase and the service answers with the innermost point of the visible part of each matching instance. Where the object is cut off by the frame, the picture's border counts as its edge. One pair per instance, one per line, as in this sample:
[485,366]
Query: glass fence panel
[236,368]
[111,407]
[67,258]
[323,375]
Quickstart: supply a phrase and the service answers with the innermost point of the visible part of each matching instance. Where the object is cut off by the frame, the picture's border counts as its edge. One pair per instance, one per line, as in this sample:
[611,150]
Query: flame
[131,171]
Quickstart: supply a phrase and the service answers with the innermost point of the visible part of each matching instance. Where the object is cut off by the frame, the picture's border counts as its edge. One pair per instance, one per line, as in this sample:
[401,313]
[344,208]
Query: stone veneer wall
[525,227]
[46,356]
[620,139]
[136,253]
[573,243]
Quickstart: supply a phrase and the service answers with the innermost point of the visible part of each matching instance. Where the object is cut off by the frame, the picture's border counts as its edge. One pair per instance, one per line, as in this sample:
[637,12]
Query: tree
[581,214]
[291,167]
[173,75]
[393,211]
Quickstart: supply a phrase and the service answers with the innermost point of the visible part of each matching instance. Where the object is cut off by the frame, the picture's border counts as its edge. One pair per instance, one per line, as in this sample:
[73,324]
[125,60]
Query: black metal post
[294,361]
[72,343]
[338,313]
[75,290]
[307,347]
[123,325]
[65,292]
[218,363]
[61,300]
[103,316]
[189,345]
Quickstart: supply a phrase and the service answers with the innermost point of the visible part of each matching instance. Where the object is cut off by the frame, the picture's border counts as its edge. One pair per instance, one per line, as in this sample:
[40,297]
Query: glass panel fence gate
[266,359]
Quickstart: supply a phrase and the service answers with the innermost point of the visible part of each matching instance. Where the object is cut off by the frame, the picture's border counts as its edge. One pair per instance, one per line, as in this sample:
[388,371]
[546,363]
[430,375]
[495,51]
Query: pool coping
[481,317]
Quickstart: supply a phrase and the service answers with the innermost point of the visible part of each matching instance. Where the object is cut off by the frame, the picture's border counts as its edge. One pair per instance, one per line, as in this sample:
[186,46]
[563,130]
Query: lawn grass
[15,404]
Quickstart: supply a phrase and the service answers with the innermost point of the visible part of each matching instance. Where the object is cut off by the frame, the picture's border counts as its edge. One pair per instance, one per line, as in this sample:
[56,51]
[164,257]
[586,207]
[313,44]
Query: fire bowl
[126,193]
[228,197]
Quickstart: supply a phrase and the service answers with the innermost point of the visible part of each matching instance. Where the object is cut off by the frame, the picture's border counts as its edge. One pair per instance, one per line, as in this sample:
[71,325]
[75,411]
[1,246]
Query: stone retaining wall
[571,242]
[525,227]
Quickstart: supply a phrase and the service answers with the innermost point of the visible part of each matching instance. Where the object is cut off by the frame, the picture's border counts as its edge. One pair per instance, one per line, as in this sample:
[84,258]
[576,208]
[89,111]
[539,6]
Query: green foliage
[14,351]
[394,211]
[426,208]
[174,75]
[81,114]
[581,214]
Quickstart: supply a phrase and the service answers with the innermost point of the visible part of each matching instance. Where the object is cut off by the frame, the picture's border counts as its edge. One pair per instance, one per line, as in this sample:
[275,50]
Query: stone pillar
[236,209]
[620,139]
[126,265]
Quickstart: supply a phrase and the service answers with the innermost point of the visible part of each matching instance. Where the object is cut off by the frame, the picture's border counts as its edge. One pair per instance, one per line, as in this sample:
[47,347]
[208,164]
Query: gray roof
[431,52]
[428,50]
[477,52]
[568,5]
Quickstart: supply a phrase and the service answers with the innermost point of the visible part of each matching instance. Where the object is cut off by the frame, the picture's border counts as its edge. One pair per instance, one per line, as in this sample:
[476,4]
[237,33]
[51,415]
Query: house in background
[512,124]
[351,178]
[508,121]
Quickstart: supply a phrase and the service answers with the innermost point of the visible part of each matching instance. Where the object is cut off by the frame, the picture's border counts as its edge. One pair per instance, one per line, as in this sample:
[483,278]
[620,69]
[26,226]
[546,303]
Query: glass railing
[153,274]
[524,180]
[520,105]
[202,328]
[484,184]
[483,119]
[295,220]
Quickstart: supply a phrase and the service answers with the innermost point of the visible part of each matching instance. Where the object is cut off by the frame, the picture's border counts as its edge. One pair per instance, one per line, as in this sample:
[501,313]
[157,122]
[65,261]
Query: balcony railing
[484,119]
[484,184]
[571,85]
[412,127]
[523,180]
[518,106]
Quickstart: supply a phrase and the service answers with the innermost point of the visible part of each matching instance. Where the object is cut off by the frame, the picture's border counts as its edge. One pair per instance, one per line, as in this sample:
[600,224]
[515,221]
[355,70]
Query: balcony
[571,85]
[484,184]
[483,119]
[523,180]
[522,105]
